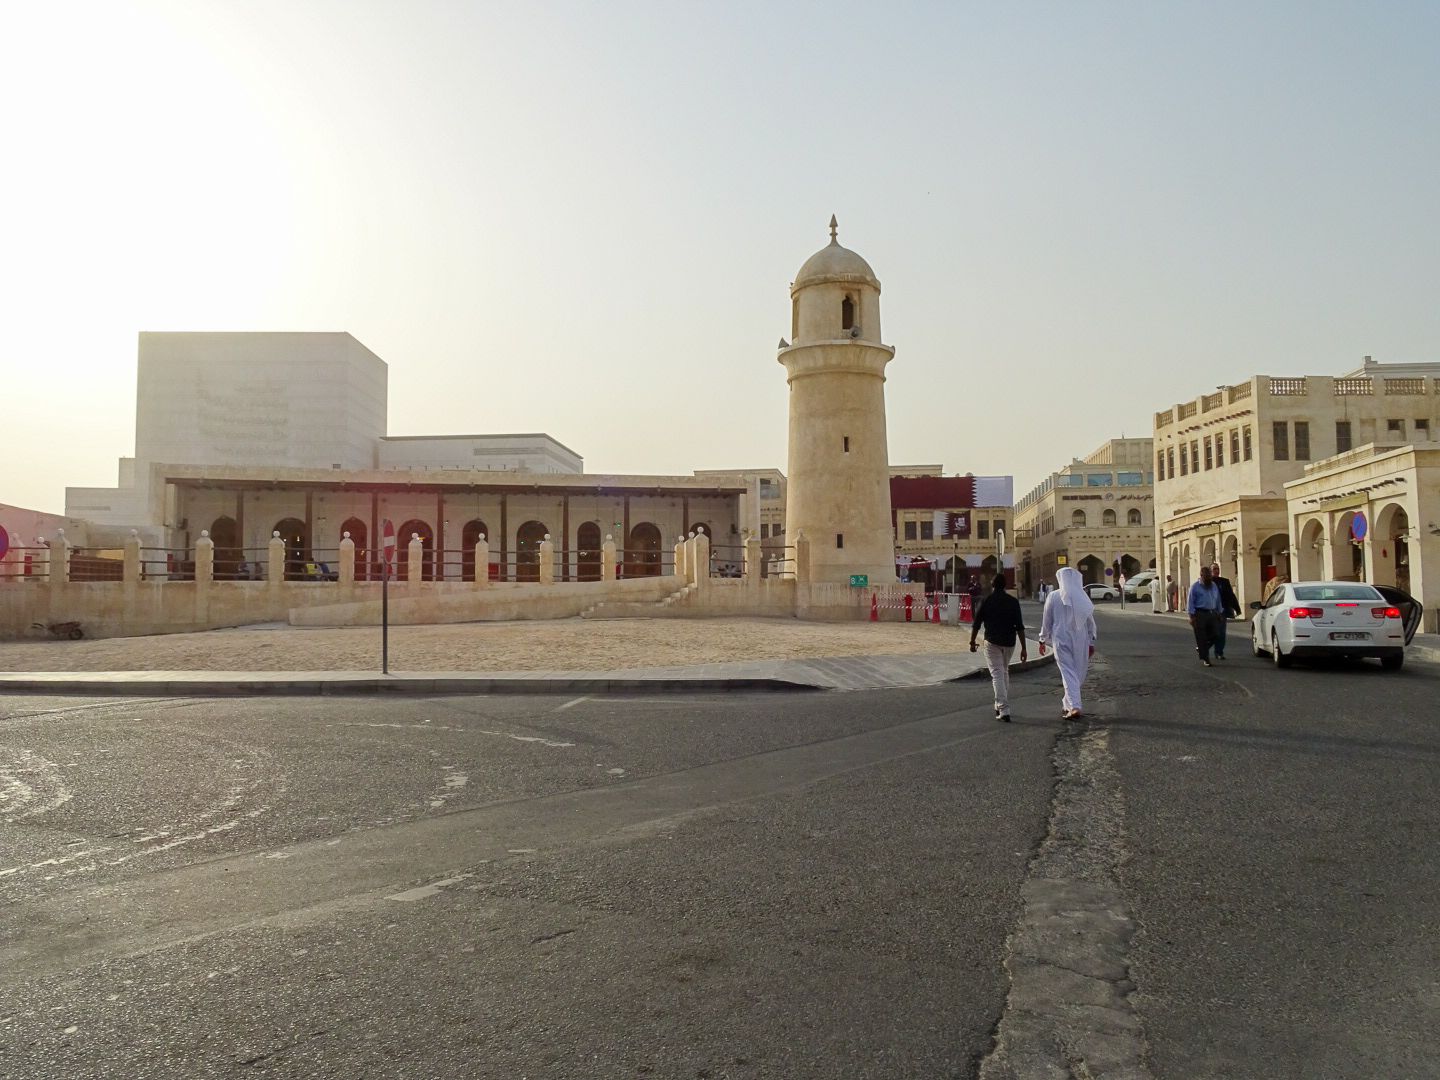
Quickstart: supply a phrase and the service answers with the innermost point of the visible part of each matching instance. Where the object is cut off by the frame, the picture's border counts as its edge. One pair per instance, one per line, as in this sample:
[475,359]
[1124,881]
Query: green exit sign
[860,580]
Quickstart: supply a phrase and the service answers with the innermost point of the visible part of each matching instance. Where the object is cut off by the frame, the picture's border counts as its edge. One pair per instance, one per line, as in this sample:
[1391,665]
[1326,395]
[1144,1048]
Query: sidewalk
[826,673]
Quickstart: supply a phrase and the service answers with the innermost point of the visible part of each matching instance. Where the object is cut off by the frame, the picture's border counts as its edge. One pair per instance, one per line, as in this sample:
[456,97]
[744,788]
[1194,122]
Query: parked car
[1138,587]
[1339,619]
[1100,591]
[1410,610]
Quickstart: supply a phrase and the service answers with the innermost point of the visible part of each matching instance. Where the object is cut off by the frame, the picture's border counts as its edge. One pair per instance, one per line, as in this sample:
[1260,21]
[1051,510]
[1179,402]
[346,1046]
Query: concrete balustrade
[415,562]
[482,562]
[753,558]
[275,571]
[347,560]
[607,555]
[547,561]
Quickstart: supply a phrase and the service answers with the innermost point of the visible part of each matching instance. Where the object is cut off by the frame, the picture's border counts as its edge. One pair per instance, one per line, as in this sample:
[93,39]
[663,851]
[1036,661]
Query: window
[909,530]
[847,444]
[1220,451]
[1077,519]
[1396,428]
[1247,442]
[927,530]
[1235,446]
[1099,479]
[1160,464]
[839,540]
[1129,479]
[1184,459]
[1194,456]
[1342,436]
[1281,437]
[847,313]
[1422,429]
[1209,454]
[1108,518]
[1133,517]
[1170,462]
[1302,440]
[764,531]
[1070,480]
[982,530]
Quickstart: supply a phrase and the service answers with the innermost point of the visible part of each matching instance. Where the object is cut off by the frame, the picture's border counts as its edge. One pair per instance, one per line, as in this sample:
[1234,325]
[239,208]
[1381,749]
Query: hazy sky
[583,218]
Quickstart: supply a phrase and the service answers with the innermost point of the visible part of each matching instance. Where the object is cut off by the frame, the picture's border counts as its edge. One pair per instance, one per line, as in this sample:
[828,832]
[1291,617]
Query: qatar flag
[954,524]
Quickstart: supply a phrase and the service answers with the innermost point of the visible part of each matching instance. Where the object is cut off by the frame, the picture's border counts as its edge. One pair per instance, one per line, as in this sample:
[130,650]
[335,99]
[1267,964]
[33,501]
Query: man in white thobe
[1068,627]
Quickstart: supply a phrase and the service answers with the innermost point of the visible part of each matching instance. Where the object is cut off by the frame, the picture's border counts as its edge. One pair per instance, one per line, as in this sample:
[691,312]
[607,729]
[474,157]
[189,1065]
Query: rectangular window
[1170,462]
[1234,446]
[1302,440]
[1209,454]
[1184,460]
[1422,429]
[1342,436]
[847,444]
[1194,456]
[982,530]
[1160,464]
[1280,436]
[764,532]
[1247,442]
[1220,450]
[1396,428]
[1129,479]
[839,540]
[927,530]
[1099,479]
[909,530]
[1070,480]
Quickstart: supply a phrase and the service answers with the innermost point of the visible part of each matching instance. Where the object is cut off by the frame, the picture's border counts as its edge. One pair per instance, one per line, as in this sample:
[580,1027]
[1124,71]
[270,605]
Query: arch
[642,552]
[1275,558]
[589,553]
[1133,517]
[847,313]
[528,539]
[411,528]
[1207,554]
[358,536]
[1349,553]
[1077,519]
[1108,516]
[1230,562]
[470,536]
[1129,566]
[1391,546]
[702,527]
[225,535]
[1092,569]
[1184,570]
[1310,554]
[297,546]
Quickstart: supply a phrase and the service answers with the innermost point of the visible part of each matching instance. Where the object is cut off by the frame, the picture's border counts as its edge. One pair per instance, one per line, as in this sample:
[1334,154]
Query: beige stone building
[1096,514]
[1225,464]
[949,529]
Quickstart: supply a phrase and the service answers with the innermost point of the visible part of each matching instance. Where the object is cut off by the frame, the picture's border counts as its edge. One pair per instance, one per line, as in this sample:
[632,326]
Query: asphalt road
[806,885]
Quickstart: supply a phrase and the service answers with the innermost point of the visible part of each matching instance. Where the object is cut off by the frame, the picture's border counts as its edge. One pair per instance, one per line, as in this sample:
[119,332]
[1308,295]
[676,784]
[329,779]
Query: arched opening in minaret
[847,314]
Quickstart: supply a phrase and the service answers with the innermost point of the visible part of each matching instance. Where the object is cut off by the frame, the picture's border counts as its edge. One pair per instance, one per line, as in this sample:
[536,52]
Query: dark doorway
[528,539]
[297,547]
[403,535]
[642,553]
[588,556]
[358,536]
[469,537]
[226,537]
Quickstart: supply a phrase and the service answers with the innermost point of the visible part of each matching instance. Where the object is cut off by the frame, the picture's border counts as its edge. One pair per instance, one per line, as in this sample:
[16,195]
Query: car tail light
[1306,612]
[1385,612]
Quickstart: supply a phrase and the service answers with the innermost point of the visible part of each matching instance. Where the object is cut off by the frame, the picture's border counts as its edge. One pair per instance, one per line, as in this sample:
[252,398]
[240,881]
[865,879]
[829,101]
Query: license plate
[1349,637]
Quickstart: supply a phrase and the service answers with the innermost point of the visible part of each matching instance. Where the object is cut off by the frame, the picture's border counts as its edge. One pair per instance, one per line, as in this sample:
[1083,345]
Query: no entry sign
[388,542]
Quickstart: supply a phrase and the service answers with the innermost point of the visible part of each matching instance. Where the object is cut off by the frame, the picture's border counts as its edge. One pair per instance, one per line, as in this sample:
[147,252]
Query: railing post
[701,557]
[347,560]
[482,562]
[547,561]
[802,557]
[752,558]
[59,559]
[607,555]
[131,572]
[680,557]
[204,575]
[415,561]
[275,571]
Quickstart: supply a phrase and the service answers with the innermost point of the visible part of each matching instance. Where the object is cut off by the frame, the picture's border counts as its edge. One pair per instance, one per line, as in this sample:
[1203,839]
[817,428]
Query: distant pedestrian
[1068,627]
[1229,605]
[1172,594]
[1206,610]
[1000,614]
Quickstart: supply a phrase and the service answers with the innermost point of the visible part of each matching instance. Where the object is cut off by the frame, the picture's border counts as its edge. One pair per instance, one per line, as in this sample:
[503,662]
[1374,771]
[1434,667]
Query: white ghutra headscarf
[1072,595]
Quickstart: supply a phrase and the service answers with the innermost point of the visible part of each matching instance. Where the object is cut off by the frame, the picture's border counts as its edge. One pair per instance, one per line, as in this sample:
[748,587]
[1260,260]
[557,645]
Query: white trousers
[1074,665]
[997,659]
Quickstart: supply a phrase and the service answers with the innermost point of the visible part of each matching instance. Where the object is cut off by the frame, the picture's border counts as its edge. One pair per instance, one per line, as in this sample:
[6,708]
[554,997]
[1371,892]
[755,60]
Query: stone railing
[1165,419]
[1359,386]
[1184,412]
[1239,392]
[1288,387]
[1212,401]
[1404,386]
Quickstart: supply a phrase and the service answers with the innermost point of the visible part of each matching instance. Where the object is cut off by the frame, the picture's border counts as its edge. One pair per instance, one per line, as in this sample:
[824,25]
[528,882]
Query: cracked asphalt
[814,885]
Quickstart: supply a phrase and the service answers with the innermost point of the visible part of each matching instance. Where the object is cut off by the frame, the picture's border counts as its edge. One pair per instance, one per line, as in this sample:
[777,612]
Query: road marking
[1071,1011]
[433,889]
[571,704]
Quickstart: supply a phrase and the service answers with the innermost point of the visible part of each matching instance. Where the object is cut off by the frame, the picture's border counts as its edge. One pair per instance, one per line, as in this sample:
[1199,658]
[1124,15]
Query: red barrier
[909,607]
[874,608]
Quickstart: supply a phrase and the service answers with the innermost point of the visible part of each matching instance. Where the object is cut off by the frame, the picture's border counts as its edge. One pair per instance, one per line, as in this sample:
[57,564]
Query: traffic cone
[874,608]
[935,615]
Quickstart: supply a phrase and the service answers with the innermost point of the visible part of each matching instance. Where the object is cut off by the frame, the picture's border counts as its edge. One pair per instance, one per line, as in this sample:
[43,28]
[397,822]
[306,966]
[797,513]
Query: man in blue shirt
[1207,611]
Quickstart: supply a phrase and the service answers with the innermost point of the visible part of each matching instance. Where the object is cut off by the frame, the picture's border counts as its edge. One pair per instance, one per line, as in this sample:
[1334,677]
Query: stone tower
[839,468]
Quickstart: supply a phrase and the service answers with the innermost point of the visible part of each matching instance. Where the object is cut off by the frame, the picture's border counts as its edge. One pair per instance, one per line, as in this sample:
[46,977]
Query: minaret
[839,471]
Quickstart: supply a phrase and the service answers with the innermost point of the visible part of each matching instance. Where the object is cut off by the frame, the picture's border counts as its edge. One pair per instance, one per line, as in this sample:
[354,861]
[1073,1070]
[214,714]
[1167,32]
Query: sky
[583,218]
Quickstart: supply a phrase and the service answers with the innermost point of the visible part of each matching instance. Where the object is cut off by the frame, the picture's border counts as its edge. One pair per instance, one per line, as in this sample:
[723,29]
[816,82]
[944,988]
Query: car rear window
[1336,592]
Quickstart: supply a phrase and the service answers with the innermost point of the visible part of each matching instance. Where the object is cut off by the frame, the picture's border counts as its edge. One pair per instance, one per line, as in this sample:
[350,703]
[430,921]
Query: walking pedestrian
[1000,614]
[1229,605]
[1206,614]
[1068,626]
[1172,593]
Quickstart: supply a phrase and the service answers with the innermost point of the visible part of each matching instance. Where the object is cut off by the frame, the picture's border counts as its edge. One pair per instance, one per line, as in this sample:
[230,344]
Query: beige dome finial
[834,227]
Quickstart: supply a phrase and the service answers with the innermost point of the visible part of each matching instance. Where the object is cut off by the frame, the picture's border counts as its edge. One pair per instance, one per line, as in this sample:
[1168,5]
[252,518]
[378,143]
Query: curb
[1016,668]
[394,684]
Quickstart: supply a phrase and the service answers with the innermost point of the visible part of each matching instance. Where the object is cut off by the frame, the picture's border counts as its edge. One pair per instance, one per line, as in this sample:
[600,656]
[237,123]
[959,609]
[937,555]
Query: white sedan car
[1100,591]
[1328,619]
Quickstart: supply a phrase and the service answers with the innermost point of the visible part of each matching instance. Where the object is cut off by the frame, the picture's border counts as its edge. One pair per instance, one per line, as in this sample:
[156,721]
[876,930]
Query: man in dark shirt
[1230,607]
[1000,614]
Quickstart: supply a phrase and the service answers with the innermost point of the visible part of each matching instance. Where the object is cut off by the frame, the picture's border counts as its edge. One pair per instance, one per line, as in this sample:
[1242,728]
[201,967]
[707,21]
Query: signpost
[387,556]
[860,580]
